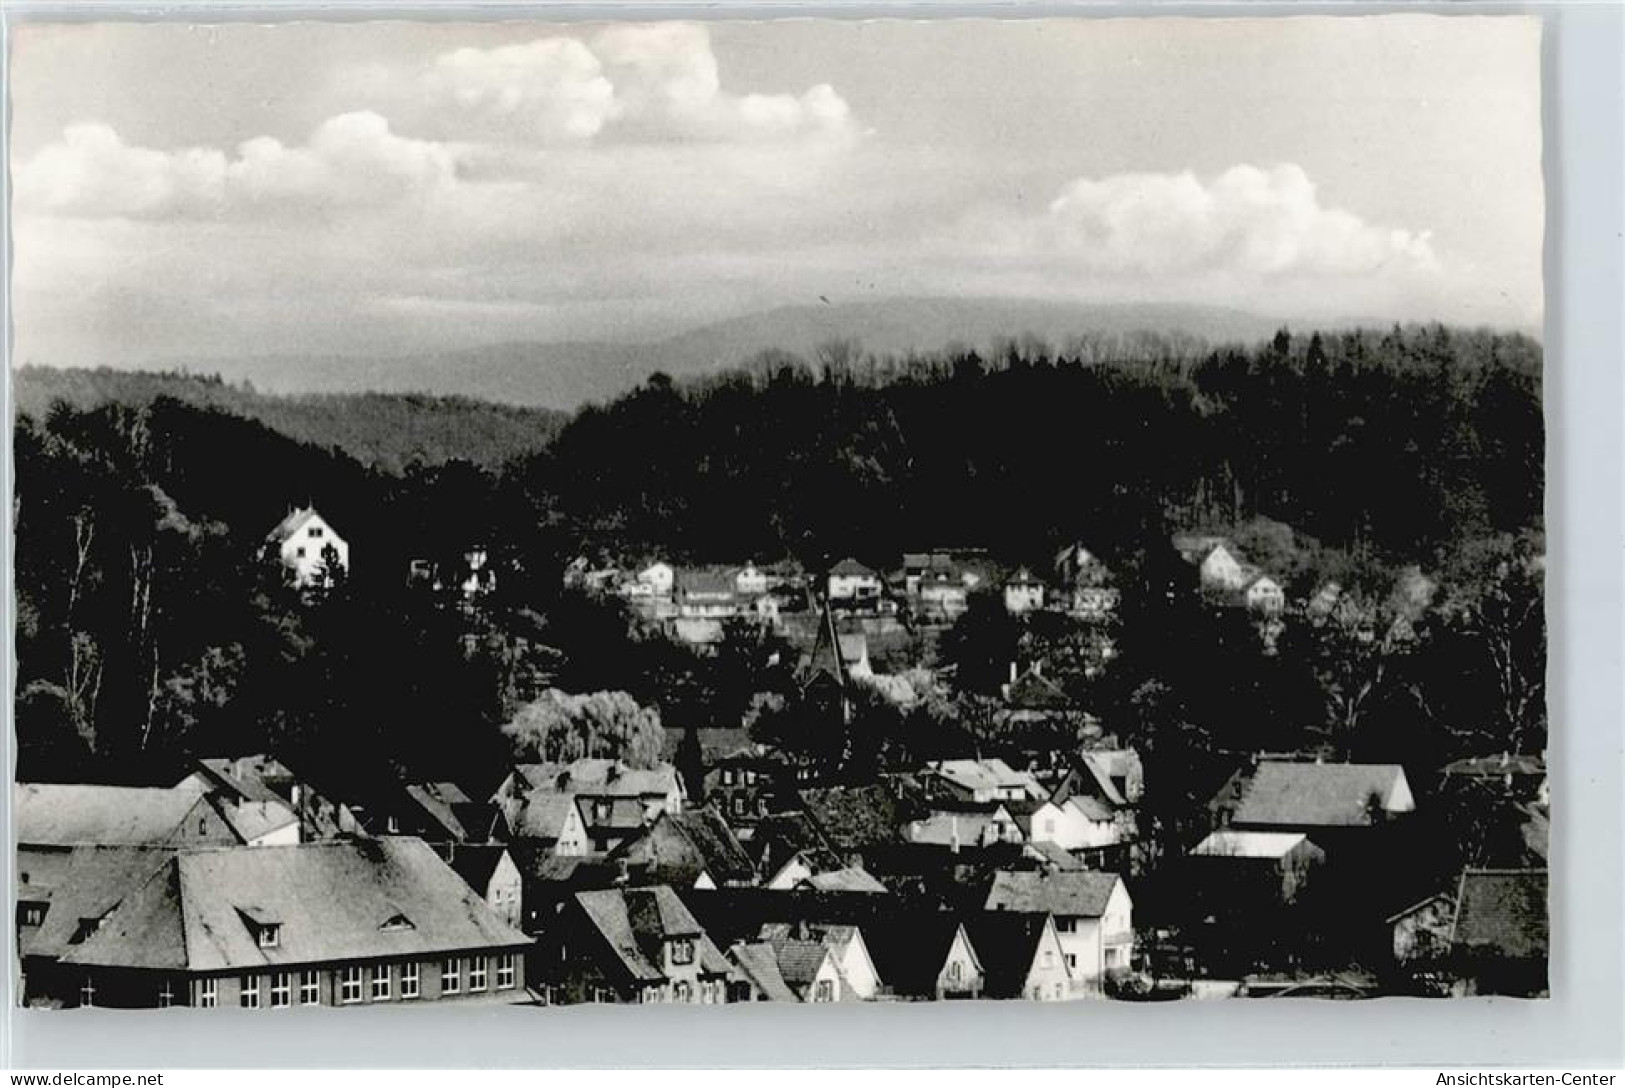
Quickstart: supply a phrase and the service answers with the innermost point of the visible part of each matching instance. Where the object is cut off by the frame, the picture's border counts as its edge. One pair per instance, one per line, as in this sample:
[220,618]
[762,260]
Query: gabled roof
[66,815]
[708,582]
[1503,912]
[1075,894]
[542,815]
[247,777]
[1294,795]
[799,961]
[251,820]
[291,524]
[88,884]
[611,814]
[910,949]
[758,963]
[336,901]
[476,863]
[1007,944]
[851,568]
[635,922]
[849,879]
[1032,690]
[678,847]
[985,774]
[782,836]
[1497,766]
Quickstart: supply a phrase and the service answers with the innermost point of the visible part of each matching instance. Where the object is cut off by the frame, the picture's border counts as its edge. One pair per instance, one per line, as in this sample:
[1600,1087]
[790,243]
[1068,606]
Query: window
[680,993]
[825,991]
[727,776]
[249,996]
[505,971]
[203,825]
[310,988]
[1072,961]
[380,982]
[281,990]
[350,986]
[476,973]
[738,802]
[87,994]
[409,981]
[682,951]
[299,553]
[1066,925]
[602,995]
[1049,958]
[315,531]
[1112,955]
[270,935]
[451,979]
[953,971]
[166,994]
[31,914]
[208,993]
[600,812]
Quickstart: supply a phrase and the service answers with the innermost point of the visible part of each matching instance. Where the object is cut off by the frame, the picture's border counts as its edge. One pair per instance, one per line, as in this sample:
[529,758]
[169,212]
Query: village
[748,872]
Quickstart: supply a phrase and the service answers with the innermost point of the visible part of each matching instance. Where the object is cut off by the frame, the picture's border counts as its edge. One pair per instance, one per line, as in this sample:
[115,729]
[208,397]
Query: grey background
[1583,1024]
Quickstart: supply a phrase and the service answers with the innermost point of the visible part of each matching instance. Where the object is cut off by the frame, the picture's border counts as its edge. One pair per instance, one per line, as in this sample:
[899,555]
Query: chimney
[622,873]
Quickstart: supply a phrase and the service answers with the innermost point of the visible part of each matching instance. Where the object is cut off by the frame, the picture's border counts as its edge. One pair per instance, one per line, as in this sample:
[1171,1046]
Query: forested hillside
[389,430]
[149,628]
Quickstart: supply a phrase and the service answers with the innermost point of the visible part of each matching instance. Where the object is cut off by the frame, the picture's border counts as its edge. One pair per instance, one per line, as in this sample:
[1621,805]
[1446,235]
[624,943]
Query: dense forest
[386,430]
[149,628]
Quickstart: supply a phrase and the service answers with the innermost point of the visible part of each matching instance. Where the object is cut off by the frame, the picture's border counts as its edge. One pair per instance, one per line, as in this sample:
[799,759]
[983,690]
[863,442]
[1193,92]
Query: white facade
[659,577]
[1023,594]
[1071,828]
[749,581]
[1266,595]
[1222,570]
[853,586]
[1049,978]
[301,541]
[1094,946]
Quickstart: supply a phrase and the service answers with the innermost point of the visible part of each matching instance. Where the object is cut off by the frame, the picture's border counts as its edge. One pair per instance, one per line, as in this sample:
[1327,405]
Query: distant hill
[567,375]
[386,430]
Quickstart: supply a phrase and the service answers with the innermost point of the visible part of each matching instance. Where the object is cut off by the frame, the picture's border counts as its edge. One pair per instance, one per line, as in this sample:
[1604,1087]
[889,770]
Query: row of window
[380,982]
[680,993]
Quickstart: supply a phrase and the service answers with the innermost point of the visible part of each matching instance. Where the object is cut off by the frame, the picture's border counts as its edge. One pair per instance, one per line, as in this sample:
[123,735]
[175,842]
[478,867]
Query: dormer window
[270,935]
[682,951]
[87,926]
[395,923]
[316,530]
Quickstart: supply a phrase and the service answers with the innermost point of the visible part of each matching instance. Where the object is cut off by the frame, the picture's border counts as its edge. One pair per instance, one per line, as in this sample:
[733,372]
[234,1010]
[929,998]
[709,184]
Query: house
[262,778]
[356,922]
[1500,936]
[550,821]
[448,813]
[706,595]
[489,869]
[1221,570]
[633,945]
[1113,775]
[788,848]
[941,599]
[791,968]
[980,781]
[855,819]
[978,826]
[1264,594]
[749,581]
[1082,826]
[1023,593]
[850,582]
[1032,701]
[924,956]
[307,547]
[1093,916]
[958,566]
[1282,860]
[845,941]
[63,896]
[51,814]
[1288,796]
[851,878]
[619,796]
[658,578]
[1021,956]
[694,848]
[747,784]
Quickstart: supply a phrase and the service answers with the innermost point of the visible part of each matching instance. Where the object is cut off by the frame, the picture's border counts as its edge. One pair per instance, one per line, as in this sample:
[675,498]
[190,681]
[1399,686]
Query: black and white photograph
[801,510]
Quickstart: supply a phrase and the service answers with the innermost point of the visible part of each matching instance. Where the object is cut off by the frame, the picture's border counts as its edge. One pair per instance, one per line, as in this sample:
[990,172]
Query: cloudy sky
[394,187]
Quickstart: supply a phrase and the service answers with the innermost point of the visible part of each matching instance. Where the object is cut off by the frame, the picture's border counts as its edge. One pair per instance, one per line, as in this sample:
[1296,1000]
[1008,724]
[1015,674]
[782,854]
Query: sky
[394,187]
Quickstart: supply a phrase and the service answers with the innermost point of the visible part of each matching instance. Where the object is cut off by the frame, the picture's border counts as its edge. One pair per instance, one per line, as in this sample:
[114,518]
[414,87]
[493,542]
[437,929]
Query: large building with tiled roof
[364,921]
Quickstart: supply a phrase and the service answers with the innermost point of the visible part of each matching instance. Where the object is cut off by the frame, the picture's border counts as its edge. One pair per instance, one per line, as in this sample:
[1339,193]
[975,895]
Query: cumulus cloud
[548,89]
[1246,221]
[349,160]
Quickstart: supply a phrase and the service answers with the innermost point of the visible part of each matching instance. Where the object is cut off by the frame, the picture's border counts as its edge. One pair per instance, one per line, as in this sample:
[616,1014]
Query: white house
[1221,570]
[846,942]
[1264,594]
[659,577]
[850,580]
[1093,916]
[300,542]
[982,780]
[1023,593]
[750,582]
[1078,823]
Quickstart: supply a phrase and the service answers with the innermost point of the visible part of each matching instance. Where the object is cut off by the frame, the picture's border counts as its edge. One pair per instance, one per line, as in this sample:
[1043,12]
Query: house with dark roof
[589,805]
[489,869]
[851,583]
[748,783]
[262,778]
[980,781]
[449,814]
[924,956]
[790,968]
[365,921]
[1282,861]
[856,819]
[845,940]
[1518,778]
[1093,913]
[633,945]
[1500,937]
[694,848]
[1021,956]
